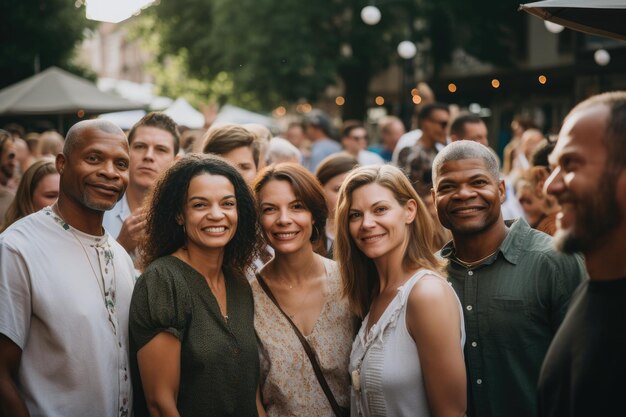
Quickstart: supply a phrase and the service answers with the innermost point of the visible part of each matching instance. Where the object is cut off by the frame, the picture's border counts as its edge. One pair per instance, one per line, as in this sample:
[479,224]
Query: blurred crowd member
[298,300]
[262,141]
[390,129]
[50,143]
[469,126]
[518,126]
[7,170]
[583,374]
[417,160]
[191,141]
[16,130]
[38,188]
[354,141]
[237,145]
[32,141]
[21,153]
[295,134]
[407,359]
[65,289]
[319,131]
[433,120]
[154,143]
[192,344]
[540,210]
[281,150]
[331,173]
[513,284]
[530,140]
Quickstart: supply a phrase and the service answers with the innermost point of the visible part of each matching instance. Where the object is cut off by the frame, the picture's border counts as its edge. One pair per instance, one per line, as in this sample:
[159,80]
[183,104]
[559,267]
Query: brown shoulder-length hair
[333,165]
[164,235]
[358,272]
[307,189]
[22,204]
[221,139]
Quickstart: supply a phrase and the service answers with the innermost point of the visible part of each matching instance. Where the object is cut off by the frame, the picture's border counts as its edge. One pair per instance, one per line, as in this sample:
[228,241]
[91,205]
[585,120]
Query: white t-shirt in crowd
[65,297]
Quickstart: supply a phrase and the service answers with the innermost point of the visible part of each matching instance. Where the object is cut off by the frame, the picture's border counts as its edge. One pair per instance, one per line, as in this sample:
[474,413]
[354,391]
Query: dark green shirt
[219,360]
[513,304]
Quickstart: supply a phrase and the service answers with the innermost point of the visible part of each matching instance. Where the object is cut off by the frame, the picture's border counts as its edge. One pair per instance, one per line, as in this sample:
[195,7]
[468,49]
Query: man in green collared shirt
[513,285]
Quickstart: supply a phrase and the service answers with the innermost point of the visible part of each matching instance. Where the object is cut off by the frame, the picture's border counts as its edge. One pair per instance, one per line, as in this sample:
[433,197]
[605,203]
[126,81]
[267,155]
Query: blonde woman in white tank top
[407,359]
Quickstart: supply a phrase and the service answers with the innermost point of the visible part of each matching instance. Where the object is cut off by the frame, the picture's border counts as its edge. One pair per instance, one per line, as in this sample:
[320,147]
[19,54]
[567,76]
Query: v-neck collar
[208,298]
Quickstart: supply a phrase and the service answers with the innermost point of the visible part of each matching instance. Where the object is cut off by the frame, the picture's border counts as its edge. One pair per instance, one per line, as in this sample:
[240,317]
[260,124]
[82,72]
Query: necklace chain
[470,265]
[99,278]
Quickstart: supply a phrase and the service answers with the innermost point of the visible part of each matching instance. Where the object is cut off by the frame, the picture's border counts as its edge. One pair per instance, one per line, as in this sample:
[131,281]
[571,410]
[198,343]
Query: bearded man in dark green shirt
[513,285]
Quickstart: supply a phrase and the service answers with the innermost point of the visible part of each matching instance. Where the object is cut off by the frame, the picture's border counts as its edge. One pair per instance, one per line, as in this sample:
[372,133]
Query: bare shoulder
[431,306]
[431,293]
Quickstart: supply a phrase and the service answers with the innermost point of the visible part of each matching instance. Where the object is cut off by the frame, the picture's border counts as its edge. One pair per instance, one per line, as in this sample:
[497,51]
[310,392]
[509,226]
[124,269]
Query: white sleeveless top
[387,363]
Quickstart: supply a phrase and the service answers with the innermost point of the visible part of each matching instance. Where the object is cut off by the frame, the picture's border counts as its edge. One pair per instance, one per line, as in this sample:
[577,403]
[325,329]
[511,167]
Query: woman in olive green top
[192,341]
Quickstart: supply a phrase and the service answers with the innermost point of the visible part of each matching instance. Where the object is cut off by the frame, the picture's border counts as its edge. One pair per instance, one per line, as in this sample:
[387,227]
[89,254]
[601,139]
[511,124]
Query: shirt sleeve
[160,303]
[570,272]
[15,296]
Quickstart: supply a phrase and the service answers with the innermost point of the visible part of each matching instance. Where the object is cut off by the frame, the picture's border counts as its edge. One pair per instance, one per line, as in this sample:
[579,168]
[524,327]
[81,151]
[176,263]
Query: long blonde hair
[358,272]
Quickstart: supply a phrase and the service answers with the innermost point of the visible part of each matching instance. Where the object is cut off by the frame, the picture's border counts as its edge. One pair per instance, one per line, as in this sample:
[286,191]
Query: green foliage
[46,31]
[276,52]
[491,30]
[279,52]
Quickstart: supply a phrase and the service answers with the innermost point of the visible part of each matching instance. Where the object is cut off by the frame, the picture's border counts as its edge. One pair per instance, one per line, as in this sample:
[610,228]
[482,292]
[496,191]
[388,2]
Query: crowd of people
[147,273]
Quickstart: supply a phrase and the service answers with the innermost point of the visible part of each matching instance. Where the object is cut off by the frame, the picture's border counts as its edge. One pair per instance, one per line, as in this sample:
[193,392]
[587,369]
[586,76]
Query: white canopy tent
[184,114]
[124,119]
[234,114]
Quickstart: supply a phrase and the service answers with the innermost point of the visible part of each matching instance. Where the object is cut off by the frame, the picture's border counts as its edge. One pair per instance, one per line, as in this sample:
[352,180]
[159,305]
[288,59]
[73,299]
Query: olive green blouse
[219,360]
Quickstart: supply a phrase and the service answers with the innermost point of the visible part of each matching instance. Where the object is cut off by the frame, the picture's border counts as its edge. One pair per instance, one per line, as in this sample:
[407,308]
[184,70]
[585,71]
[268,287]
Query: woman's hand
[159,367]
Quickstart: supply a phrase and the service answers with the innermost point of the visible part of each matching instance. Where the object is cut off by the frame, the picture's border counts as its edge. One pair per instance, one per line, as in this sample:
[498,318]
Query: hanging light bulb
[602,57]
[370,15]
[407,49]
[553,27]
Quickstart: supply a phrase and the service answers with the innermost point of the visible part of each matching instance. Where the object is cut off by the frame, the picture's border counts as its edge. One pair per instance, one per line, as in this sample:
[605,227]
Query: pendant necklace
[472,264]
[108,304]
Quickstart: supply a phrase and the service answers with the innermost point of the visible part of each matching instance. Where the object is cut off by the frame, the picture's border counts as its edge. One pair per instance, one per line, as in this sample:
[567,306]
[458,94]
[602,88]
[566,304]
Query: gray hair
[467,149]
[281,150]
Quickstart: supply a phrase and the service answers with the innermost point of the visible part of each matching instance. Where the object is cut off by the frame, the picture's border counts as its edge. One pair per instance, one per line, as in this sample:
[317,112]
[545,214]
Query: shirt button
[474,344]
[470,273]
[469,308]
[236,351]
[479,381]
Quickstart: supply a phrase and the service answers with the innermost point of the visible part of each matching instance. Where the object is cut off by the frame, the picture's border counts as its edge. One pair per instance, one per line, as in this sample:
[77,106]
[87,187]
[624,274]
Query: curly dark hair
[307,188]
[163,233]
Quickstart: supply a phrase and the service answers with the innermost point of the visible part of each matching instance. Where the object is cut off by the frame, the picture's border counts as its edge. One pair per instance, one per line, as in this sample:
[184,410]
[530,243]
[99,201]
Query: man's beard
[596,216]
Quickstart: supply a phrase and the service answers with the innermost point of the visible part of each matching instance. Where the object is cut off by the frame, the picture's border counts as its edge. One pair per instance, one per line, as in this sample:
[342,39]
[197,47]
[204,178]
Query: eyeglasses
[442,123]
[363,137]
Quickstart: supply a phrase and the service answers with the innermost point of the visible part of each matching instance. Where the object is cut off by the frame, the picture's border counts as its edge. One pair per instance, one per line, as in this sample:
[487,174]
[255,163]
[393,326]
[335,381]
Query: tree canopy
[282,51]
[38,33]
[274,52]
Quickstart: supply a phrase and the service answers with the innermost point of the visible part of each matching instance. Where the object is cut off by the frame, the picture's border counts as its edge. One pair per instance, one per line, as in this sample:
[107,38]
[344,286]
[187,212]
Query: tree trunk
[356,81]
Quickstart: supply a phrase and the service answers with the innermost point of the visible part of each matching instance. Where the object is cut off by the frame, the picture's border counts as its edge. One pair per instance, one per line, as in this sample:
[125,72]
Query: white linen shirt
[63,293]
